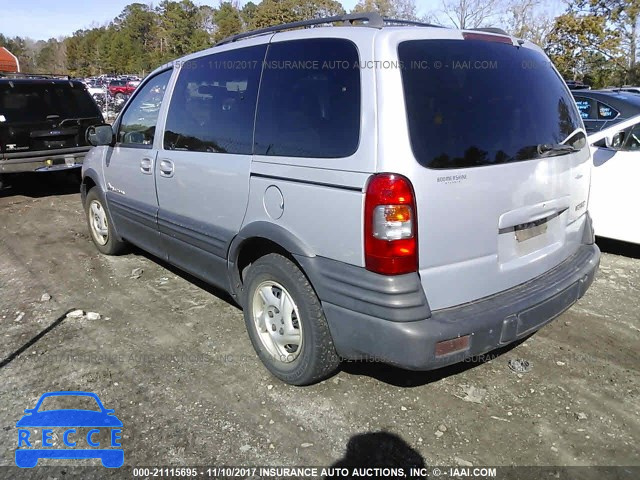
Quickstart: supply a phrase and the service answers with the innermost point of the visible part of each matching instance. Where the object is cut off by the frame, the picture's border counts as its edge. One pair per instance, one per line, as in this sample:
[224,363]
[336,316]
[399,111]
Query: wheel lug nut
[273,327]
[282,331]
[270,314]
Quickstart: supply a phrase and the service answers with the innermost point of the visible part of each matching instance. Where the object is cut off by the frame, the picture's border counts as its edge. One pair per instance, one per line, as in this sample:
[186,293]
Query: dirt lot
[172,357]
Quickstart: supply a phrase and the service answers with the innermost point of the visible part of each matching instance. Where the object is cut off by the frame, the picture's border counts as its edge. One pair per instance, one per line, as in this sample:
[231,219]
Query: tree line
[595,41]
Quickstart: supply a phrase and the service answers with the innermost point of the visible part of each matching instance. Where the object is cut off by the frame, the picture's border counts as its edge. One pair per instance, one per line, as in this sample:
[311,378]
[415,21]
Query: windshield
[34,102]
[473,103]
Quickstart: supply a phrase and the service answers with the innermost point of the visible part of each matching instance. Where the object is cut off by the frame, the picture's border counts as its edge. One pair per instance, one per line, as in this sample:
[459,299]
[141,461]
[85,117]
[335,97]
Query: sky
[44,19]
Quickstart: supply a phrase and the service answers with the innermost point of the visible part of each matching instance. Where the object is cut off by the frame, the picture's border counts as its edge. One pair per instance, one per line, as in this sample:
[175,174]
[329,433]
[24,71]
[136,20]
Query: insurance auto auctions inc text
[349,472]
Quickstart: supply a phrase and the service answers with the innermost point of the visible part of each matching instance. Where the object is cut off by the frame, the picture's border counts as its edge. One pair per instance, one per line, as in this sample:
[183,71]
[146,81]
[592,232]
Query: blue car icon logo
[69,425]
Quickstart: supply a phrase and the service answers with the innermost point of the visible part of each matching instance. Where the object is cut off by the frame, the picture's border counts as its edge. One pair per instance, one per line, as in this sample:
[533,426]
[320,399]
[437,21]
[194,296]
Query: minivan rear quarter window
[309,103]
[475,102]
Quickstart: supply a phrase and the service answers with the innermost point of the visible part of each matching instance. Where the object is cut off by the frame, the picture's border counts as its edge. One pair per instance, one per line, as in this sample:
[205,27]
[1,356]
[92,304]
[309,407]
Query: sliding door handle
[145,166]
[166,168]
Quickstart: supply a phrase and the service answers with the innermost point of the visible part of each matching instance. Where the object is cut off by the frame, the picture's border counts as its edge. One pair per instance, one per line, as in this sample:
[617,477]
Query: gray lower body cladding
[362,329]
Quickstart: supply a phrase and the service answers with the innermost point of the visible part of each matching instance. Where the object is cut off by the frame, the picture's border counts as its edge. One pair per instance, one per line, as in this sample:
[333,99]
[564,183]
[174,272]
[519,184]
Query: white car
[631,89]
[614,180]
[95,91]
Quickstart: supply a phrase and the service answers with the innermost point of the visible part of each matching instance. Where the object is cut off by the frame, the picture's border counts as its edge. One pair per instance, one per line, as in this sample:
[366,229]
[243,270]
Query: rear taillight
[390,225]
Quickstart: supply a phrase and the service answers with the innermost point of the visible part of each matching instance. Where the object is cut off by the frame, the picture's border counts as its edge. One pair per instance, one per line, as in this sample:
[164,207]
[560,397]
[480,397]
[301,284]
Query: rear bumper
[490,323]
[37,161]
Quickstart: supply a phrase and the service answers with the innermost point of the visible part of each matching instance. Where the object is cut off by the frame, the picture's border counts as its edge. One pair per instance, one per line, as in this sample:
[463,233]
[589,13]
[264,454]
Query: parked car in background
[133,84]
[630,89]
[624,88]
[122,88]
[97,91]
[575,85]
[414,216]
[600,109]
[43,124]
[615,195]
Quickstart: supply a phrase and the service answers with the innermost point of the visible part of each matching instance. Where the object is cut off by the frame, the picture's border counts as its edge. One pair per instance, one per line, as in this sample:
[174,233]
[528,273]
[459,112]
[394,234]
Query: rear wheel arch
[257,240]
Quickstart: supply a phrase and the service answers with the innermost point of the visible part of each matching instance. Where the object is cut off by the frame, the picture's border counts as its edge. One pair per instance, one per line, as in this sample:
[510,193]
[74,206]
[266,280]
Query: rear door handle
[145,166]
[166,168]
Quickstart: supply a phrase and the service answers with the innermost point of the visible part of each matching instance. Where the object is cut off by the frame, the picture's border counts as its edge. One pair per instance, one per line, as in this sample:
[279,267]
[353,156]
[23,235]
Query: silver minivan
[378,191]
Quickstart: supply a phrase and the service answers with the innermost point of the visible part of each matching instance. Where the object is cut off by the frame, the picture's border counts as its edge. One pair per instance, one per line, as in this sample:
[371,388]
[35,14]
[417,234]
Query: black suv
[602,108]
[43,123]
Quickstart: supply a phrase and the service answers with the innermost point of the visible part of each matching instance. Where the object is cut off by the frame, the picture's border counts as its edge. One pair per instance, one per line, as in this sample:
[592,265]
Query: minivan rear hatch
[499,165]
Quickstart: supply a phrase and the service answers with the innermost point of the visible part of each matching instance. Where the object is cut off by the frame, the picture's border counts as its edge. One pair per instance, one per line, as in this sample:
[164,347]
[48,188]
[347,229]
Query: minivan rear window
[473,102]
[34,102]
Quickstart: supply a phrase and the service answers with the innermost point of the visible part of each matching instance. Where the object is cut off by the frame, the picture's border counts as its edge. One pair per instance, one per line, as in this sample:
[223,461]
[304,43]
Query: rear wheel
[285,322]
[100,227]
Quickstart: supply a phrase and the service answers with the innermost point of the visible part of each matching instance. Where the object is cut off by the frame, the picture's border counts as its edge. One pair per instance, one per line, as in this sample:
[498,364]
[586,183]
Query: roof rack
[373,20]
[400,21]
[33,75]
[366,19]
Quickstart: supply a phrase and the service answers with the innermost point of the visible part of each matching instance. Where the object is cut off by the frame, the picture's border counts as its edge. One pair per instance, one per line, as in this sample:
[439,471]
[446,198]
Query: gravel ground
[172,357]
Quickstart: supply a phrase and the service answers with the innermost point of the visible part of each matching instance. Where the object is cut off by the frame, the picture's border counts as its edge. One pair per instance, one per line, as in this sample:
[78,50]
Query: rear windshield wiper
[77,120]
[552,149]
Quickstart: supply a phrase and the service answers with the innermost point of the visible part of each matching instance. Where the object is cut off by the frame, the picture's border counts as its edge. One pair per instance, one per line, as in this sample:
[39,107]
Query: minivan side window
[214,103]
[138,124]
[309,103]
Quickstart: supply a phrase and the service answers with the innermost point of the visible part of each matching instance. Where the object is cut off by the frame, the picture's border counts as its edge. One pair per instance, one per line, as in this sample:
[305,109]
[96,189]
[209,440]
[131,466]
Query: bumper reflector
[453,345]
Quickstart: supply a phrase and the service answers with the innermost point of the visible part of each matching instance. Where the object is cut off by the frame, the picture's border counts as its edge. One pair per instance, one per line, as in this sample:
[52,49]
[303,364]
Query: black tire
[112,245]
[317,358]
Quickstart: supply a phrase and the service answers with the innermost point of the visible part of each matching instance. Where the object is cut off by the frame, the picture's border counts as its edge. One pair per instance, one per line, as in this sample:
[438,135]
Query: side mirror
[29,410]
[100,135]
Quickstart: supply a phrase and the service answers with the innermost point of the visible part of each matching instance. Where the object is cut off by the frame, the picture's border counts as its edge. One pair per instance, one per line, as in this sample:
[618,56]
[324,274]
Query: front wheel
[285,322]
[100,227]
